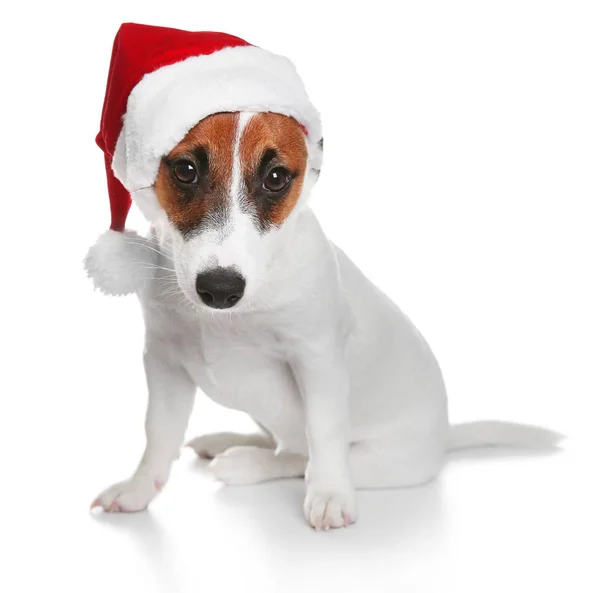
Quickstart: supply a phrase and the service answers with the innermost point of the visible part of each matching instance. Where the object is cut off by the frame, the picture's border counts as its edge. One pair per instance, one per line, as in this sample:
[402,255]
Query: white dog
[249,301]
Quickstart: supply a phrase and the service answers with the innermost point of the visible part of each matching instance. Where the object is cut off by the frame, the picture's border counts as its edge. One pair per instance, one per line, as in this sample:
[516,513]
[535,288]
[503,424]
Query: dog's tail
[492,433]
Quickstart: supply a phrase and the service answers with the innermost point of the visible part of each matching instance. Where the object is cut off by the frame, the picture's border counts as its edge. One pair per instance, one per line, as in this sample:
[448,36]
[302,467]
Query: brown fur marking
[186,207]
[284,135]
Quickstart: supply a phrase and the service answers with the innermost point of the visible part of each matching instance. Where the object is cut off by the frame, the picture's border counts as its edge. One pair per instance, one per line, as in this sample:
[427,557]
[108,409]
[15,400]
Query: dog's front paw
[327,508]
[130,496]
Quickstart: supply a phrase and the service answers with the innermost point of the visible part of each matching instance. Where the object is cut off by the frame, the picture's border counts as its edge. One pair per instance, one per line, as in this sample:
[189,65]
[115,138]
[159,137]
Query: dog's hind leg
[374,464]
[209,446]
[395,463]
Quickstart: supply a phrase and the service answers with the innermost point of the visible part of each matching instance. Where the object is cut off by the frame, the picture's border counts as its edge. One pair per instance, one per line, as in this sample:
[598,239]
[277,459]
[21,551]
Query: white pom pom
[115,260]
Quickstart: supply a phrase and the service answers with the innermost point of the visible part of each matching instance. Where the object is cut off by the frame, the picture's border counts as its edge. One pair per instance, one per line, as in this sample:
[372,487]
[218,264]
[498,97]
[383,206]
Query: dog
[245,298]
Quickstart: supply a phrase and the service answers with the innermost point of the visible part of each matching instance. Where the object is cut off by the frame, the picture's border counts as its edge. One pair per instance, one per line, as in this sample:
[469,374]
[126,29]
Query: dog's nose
[220,288]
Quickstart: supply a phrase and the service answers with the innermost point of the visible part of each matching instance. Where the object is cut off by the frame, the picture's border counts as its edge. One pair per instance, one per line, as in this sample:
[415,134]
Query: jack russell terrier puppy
[244,297]
[250,302]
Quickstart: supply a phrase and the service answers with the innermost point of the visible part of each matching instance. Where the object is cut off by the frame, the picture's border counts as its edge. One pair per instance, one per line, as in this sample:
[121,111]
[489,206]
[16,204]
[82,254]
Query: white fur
[501,434]
[209,446]
[237,243]
[346,389]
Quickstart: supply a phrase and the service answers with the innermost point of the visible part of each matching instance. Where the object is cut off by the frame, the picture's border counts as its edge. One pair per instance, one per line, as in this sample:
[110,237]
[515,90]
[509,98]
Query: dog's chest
[223,354]
[235,338]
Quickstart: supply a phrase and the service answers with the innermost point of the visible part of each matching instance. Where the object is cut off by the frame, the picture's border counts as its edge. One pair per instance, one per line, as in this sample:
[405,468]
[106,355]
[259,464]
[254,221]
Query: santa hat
[161,83]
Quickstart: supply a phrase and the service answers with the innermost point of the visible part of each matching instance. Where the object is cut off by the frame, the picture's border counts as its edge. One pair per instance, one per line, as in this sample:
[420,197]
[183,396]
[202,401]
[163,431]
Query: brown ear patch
[210,147]
[282,137]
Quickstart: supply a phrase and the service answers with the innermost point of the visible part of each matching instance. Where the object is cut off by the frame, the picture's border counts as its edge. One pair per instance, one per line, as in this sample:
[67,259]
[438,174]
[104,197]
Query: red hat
[162,82]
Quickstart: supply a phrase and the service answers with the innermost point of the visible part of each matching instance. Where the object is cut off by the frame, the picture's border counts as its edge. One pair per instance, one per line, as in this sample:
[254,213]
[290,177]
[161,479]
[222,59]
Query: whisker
[152,267]
[162,280]
[144,243]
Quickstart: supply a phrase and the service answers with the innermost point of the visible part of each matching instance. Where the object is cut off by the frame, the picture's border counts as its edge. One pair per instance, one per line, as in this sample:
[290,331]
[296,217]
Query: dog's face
[227,189]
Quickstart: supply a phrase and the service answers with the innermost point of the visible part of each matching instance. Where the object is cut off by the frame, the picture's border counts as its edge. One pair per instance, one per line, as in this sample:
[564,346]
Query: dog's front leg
[323,380]
[170,401]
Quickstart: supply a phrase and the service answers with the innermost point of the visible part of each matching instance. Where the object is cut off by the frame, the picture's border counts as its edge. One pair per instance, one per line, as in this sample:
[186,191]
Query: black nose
[220,288]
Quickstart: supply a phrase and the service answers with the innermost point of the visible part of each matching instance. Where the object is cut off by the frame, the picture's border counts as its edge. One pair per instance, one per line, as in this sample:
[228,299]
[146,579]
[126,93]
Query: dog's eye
[185,171]
[277,179]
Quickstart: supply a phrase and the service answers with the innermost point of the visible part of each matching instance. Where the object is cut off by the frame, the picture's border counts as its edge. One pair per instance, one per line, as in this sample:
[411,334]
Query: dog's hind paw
[239,466]
[129,496]
[251,465]
[208,446]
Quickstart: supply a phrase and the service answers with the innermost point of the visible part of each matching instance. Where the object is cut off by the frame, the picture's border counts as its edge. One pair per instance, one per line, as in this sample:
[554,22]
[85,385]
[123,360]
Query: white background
[462,145]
